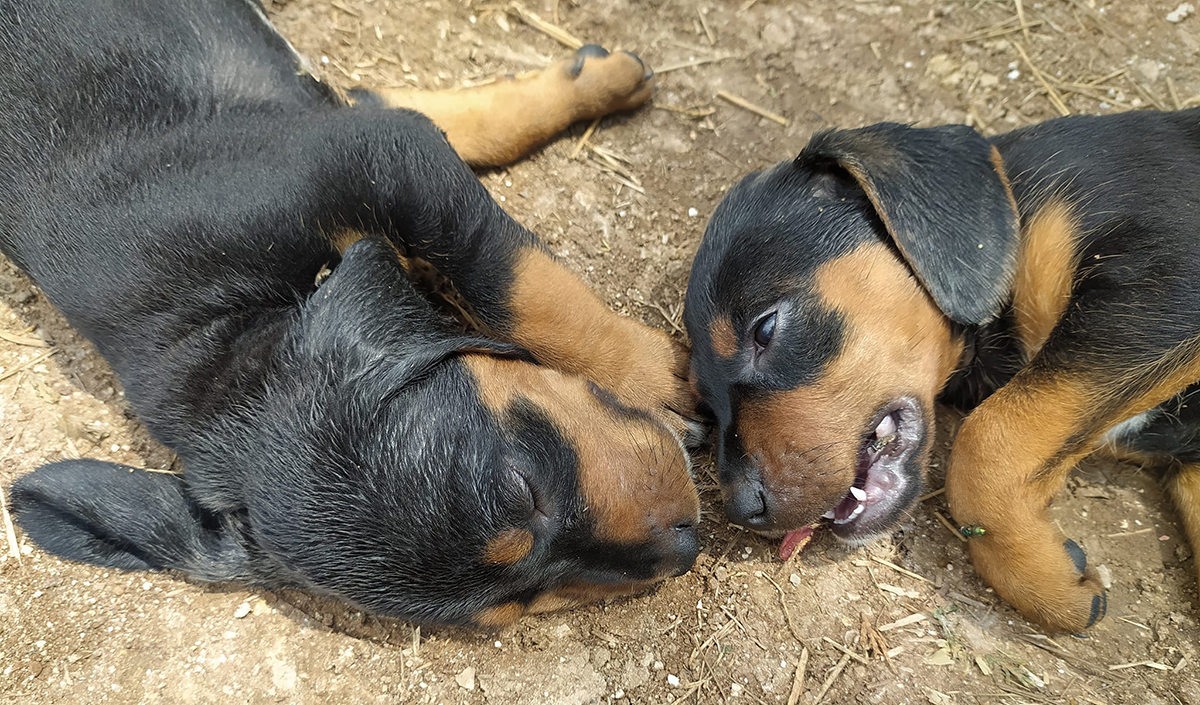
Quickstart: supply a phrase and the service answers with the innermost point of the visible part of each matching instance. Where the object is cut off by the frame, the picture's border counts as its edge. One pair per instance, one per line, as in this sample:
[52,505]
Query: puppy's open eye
[765,330]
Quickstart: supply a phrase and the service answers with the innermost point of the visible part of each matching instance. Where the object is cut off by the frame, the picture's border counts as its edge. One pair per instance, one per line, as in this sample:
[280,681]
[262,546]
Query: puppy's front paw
[1044,575]
[655,379]
[604,82]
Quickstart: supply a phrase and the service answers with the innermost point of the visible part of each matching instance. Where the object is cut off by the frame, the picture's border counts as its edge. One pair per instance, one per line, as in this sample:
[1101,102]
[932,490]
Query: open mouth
[885,481]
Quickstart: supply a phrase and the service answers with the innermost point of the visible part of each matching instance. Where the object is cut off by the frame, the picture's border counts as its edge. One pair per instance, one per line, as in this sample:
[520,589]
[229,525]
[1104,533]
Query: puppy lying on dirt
[174,181]
[1048,278]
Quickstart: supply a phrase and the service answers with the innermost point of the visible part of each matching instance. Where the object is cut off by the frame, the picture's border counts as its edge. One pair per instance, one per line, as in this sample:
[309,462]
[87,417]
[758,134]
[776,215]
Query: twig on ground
[1139,532]
[931,495]
[1021,18]
[904,622]
[846,651]
[833,674]
[1174,94]
[583,141]
[692,62]
[747,105]
[712,38]
[1139,625]
[900,570]
[696,114]
[1051,93]
[9,532]
[798,681]
[787,614]
[1150,97]
[26,365]
[1050,647]
[549,29]
[996,32]
[1135,664]
[949,527]
[27,341]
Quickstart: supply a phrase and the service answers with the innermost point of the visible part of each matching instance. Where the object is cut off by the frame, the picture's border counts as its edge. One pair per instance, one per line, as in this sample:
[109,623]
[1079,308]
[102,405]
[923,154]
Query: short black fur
[173,182]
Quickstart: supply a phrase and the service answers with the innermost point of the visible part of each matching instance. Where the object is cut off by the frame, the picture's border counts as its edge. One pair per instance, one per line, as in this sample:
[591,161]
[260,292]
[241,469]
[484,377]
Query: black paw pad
[1078,557]
[649,71]
[1099,608]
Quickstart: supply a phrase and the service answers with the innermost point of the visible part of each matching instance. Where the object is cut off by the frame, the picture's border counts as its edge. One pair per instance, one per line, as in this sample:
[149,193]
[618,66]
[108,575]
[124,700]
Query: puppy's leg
[1015,451]
[1184,487]
[501,122]
[392,172]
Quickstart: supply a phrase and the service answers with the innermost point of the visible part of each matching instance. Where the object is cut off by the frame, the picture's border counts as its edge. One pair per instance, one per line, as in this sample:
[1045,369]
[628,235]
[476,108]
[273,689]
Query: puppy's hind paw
[606,82]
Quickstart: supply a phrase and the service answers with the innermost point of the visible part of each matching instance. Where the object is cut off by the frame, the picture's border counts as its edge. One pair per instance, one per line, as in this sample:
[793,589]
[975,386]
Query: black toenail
[1099,608]
[582,54]
[592,50]
[1078,557]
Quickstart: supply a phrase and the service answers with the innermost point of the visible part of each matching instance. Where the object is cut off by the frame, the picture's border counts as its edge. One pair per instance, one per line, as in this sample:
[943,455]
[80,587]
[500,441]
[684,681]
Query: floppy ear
[119,517]
[368,318]
[944,198]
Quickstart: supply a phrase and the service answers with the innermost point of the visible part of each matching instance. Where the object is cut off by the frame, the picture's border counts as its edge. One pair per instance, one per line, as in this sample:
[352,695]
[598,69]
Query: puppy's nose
[746,504]
[686,546]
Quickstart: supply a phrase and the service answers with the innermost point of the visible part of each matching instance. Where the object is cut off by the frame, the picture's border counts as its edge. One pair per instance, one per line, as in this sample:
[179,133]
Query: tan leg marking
[500,616]
[1184,488]
[1045,269]
[500,122]
[1007,464]
[566,326]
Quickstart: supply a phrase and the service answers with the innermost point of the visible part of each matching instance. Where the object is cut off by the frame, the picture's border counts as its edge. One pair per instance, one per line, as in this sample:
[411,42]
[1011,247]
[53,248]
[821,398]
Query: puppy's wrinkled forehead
[762,249]
[770,233]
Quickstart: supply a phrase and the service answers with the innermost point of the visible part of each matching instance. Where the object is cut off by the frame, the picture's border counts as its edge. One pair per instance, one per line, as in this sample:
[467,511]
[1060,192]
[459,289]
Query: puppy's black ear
[369,319]
[944,198]
[118,517]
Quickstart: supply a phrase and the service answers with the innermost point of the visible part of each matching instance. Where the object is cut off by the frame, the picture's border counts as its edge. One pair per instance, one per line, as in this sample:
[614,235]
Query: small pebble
[242,610]
[1179,14]
[692,212]
[466,679]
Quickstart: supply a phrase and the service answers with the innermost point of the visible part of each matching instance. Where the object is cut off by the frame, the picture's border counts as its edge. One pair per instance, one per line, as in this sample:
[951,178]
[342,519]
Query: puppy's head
[489,488]
[824,307]
[399,466]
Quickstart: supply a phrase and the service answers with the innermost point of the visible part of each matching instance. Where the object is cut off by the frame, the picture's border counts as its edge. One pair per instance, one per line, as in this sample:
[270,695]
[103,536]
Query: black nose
[746,504]
[687,546]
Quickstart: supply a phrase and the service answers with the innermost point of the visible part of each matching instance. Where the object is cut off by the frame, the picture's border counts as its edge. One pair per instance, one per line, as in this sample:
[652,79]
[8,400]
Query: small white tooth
[828,515]
[859,494]
[857,510]
[886,427]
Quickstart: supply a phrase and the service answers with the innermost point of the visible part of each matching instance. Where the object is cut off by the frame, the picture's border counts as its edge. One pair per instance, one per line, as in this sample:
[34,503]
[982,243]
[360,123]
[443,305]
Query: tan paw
[604,83]
[1043,574]
[657,380]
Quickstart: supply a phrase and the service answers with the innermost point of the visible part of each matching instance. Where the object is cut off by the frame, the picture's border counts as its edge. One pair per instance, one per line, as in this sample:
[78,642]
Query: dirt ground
[735,627]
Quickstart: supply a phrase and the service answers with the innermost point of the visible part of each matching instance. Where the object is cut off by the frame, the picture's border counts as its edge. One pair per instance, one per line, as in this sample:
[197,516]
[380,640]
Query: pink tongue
[795,541]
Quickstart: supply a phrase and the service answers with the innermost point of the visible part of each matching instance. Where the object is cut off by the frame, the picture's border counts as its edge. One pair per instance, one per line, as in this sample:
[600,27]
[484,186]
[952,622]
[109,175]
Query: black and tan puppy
[174,184]
[1049,279]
